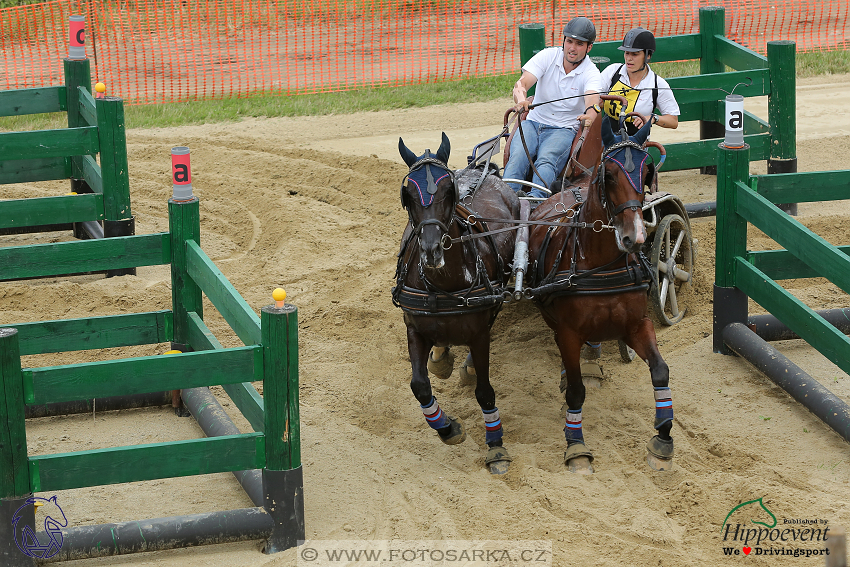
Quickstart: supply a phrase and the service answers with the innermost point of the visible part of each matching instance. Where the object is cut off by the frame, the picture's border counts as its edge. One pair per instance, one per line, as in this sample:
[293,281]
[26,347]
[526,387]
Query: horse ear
[445,149]
[408,156]
[607,132]
[642,134]
[650,180]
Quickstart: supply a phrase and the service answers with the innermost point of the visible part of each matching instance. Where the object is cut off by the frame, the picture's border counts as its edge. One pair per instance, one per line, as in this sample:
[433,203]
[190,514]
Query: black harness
[617,276]
[482,295]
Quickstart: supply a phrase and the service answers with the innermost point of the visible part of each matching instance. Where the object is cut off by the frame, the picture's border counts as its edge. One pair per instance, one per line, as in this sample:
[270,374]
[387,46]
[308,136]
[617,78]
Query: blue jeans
[549,146]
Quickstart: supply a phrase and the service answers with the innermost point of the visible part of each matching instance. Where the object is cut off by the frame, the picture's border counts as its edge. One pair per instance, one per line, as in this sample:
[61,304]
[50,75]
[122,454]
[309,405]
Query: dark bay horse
[590,281]
[450,289]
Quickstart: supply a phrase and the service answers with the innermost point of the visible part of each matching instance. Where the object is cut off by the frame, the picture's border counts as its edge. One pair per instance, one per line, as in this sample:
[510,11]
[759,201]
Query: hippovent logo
[51,540]
[751,528]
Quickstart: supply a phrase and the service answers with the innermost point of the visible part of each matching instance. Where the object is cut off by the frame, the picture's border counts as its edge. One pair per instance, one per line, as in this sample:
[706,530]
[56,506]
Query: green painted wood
[244,395]
[31,101]
[223,295]
[27,170]
[91,173]
[88,113]
[147,462]
[532,40]
[77,74]
[13,435]
[737,56]
[807,246]
[712,23]
[50,210]
[714,83]
[755,125]
[65,335]
[49,143]
[142,375]
[690,155]
[783,265]
[280,387]
[113,158]
[805,187]
[40,260]
[184,223]
[731,239]
[810,326]
[668,48]
[782,103]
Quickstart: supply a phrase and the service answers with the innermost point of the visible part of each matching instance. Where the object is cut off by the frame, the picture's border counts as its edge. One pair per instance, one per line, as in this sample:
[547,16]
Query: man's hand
[587,118]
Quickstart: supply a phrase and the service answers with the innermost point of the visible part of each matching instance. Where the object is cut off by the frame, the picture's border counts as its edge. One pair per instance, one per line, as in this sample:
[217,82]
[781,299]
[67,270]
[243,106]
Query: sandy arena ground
[311,204]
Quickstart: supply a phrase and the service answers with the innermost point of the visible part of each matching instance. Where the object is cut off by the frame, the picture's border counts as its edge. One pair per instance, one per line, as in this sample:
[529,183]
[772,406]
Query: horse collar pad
[426,178]
[619,157]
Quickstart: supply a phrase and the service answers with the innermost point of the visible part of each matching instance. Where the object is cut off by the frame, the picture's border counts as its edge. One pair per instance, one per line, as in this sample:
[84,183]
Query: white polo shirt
[641,101]
[553,83]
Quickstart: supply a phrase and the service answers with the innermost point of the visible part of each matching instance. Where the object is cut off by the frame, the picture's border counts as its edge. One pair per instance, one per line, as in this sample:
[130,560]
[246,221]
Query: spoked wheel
[672,255]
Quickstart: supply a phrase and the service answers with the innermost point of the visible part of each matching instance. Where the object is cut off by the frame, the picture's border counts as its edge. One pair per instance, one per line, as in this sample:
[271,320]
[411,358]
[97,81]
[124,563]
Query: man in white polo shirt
[549,129]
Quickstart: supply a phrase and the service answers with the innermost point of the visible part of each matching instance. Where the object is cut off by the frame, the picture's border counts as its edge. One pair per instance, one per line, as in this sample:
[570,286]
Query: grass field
[364,100]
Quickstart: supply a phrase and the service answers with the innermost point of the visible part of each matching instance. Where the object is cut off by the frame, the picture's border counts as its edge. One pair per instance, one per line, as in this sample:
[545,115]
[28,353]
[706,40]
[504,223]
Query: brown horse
[590,281]
[451,289]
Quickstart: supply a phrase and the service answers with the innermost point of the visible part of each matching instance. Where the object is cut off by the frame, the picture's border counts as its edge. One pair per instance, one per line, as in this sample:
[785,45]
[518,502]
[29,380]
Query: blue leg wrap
[435,416]
[663,406]
[572,429]
[493,425]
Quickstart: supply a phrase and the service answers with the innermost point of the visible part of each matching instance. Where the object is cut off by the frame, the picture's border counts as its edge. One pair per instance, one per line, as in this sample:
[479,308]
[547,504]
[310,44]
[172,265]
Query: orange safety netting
[150,51]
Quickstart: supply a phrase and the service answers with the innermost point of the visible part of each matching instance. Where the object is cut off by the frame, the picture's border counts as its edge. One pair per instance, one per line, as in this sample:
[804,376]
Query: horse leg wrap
[572,430]
[493,425]
[663,407]
[435,416]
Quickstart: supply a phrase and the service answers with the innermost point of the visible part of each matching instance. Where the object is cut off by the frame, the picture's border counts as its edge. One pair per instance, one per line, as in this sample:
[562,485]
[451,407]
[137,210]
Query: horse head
[429,193]
[625,171]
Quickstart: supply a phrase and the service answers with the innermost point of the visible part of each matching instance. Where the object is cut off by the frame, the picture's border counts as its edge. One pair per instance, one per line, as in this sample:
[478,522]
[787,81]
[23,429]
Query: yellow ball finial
[100,87]
[279,296]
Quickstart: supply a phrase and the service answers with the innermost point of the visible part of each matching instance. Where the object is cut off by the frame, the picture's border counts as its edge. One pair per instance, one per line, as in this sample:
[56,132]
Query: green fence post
[781,110]
[532,40]
[77,74]
[730,303]
[112,137]
[283,483]
[184,223]
[712,21]
[14,464]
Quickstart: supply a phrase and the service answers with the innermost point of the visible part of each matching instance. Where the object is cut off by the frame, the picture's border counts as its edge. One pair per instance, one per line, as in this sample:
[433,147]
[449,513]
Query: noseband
[628,166]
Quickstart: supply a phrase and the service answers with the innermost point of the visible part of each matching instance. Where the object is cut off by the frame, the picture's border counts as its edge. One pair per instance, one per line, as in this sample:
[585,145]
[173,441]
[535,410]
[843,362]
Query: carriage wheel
[627,354]
[672,255]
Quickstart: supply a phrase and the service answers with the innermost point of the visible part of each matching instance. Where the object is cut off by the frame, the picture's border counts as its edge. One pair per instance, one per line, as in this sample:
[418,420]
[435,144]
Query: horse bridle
[632,204]
[426,161]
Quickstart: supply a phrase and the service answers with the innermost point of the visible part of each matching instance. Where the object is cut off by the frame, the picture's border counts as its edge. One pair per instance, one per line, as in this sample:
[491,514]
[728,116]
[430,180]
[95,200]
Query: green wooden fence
[742,200]
[95,129]
[270,355]
[772,76]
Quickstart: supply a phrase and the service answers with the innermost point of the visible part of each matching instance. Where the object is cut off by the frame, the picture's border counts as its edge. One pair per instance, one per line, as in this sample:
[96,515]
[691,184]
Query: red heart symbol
[747,550]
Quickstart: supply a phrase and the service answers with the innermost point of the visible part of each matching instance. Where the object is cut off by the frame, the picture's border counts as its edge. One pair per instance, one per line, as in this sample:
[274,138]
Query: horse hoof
[498,460]
[442,367]
[578,458]
[591,370]
[659,454]
[457,433]
[182,411]
[468,376]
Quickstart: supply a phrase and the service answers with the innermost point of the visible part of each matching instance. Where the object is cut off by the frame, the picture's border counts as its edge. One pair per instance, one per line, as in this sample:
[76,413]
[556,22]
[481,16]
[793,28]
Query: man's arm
[520,92]
[591,102]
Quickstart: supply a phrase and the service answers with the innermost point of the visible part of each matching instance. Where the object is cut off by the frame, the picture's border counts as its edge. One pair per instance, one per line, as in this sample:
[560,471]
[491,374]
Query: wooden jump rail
[773,76]
[269,354]
[741,274]
[101,206]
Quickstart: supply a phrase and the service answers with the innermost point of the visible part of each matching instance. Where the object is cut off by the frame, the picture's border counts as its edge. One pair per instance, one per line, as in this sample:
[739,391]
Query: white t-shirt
[554,83]
[640,101]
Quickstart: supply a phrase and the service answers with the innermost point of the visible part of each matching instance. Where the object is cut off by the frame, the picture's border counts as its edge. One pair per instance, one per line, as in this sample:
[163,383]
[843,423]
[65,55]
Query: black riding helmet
[581,29]
[639,39]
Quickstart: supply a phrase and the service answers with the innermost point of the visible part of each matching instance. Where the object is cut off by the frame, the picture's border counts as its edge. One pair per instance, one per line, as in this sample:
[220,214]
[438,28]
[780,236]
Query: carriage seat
[568,172]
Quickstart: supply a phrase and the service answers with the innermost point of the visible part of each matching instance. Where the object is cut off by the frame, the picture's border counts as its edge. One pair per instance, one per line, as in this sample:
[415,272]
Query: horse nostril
[627,242]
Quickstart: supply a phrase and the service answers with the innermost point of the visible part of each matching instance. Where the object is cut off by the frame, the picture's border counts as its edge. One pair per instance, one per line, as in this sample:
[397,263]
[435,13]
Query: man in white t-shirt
[549,129]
